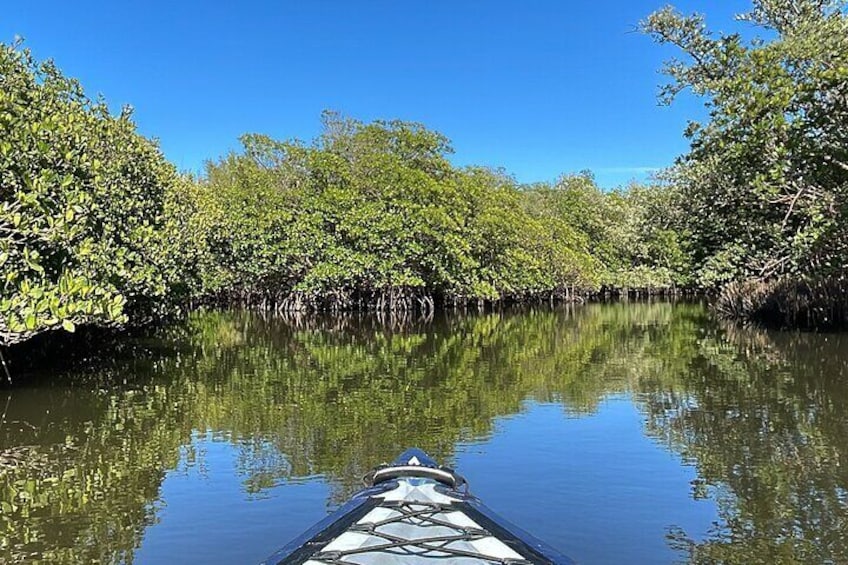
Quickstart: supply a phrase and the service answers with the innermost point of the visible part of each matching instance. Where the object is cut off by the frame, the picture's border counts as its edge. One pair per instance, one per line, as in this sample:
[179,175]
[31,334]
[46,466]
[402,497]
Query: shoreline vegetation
[98,229]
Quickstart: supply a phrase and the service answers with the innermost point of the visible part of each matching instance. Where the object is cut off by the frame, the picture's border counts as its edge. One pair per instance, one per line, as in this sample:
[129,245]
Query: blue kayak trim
[302,548]
[311,541]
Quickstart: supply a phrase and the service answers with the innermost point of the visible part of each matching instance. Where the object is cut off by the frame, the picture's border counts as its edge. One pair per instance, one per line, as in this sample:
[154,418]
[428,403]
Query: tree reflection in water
[762,416]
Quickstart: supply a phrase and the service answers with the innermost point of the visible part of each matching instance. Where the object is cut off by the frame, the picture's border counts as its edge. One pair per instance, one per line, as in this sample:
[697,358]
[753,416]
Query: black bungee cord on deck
[422,514]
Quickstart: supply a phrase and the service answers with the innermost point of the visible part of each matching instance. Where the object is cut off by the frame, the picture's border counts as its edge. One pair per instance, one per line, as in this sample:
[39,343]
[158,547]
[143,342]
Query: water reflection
[762,416]
[766,419]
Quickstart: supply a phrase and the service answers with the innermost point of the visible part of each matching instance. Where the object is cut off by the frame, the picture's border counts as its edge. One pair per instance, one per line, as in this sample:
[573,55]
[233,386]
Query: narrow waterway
[637,433]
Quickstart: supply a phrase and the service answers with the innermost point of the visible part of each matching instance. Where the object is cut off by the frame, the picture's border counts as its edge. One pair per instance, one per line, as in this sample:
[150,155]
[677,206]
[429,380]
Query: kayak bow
[415,512]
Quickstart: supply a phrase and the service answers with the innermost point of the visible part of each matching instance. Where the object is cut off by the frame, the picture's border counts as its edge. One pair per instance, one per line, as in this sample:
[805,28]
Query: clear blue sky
[539,87]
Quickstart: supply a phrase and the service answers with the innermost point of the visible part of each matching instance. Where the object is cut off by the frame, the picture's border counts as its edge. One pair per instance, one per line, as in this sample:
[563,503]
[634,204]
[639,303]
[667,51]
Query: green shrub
[84,213]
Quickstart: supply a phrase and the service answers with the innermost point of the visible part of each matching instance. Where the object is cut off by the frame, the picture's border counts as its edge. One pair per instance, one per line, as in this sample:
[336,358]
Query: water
[638,433]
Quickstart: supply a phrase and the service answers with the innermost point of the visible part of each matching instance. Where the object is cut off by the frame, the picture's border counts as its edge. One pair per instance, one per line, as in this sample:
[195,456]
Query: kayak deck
[415,512]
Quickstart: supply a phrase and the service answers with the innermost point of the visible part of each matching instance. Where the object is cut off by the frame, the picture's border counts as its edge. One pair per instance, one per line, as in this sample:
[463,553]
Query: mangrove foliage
[97,228]
[766,179]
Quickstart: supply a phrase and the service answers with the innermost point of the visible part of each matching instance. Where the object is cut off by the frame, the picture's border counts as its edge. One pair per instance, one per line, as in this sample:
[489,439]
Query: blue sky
[539,87]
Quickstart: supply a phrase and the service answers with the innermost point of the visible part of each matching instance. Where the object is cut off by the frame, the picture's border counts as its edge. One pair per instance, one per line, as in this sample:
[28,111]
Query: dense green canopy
[375,213]
[766,180]
[87,224]
[97,228]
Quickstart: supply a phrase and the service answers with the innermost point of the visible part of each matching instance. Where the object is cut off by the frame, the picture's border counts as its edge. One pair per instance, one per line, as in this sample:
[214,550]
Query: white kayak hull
[415,513]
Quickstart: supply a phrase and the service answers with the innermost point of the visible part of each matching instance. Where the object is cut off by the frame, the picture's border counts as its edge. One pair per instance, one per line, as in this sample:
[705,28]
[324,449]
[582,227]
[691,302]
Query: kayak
[415,512]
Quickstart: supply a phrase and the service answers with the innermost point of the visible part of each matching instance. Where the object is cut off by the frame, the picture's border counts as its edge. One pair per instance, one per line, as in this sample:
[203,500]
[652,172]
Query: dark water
[618,433]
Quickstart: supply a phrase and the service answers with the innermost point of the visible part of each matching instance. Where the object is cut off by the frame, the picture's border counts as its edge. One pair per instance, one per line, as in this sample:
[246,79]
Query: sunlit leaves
[374,211]
[85,236]
[764,187]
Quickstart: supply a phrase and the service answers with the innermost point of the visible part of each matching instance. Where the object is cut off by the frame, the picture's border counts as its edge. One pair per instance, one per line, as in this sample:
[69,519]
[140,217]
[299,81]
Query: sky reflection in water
[611,431]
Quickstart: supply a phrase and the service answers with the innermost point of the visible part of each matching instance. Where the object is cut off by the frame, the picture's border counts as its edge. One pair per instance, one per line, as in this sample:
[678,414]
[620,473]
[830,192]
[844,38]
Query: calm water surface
[637,433]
